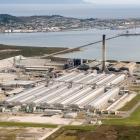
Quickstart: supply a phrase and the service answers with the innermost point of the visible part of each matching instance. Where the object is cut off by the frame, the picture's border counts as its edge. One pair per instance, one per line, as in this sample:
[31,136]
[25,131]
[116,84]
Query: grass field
[71,132]
[112,129]
[10,51]
[18,124]
[133,120]
[81,128]
[131,104]
[135,88]
[104,132]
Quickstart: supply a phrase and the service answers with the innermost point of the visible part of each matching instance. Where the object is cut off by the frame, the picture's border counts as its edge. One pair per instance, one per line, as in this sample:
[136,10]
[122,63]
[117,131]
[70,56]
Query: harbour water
[122,48]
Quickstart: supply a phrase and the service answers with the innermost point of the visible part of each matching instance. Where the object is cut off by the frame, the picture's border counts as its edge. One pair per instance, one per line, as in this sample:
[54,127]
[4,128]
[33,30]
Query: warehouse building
[18,83]
[74,90]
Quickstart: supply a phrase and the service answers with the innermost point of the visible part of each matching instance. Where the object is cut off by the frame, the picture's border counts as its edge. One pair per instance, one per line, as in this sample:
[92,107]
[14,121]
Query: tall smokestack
[103,53]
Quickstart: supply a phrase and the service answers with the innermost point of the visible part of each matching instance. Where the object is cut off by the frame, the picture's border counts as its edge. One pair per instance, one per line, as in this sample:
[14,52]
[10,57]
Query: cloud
[134,2]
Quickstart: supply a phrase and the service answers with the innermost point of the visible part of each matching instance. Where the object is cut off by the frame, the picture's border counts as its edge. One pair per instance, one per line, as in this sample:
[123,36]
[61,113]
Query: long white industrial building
[73,89]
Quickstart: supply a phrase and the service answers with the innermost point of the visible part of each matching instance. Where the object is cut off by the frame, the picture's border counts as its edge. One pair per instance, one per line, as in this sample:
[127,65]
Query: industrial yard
[55,93]
[34,85]
[74,90]
[69,70]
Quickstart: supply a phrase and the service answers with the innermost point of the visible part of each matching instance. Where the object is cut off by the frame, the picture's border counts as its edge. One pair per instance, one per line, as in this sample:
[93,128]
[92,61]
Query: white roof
[15,91]
[18,82]
[8,63]
[7,77]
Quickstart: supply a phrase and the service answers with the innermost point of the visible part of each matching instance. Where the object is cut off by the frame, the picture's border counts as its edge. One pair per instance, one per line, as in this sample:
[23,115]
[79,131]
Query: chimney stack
[103,53]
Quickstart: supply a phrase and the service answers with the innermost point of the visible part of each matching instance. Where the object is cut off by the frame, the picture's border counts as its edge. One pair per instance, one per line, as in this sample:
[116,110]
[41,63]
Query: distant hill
[56,23]
[5,18]
[36,21]
[8,19]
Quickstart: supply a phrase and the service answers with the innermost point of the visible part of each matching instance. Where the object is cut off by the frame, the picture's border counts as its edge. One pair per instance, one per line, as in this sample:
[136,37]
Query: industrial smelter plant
[76,90]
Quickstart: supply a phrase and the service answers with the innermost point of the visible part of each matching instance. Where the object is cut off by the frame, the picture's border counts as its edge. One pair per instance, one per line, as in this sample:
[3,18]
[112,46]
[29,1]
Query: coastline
[77,38]
[67,30]
[28,51]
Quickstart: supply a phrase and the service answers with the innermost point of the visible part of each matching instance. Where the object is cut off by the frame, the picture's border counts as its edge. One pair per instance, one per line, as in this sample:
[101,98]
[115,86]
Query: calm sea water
[122,48]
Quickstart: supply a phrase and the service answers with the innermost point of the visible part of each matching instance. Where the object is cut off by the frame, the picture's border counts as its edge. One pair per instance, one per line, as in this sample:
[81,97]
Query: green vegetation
[71,132]
[124,132]
[10,51]
[133,120]
[113,129]
[131,104]
[115,132]
[20,124]
[67,135]
[80,128]
[135,88]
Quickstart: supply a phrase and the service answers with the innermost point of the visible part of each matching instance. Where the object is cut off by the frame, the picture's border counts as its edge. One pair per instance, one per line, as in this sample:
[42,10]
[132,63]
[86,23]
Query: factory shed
[40,68]
[49,112]
[8,62]
[4,77]
[14,92]
[18,83]
[70,115]
[30,64]
[75,90]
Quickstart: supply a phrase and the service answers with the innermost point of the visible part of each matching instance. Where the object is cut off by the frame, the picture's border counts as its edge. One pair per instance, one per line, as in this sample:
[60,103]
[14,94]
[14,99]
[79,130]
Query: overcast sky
[73,8]
[126,2]
[134,2]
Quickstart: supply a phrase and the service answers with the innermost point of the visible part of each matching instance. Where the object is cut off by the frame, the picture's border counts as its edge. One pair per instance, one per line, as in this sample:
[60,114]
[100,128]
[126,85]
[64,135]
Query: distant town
[54,23]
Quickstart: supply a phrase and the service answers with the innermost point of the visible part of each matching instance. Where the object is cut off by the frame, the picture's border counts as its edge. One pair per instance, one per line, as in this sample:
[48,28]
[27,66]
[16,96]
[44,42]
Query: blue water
[56,39]
[122,48]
